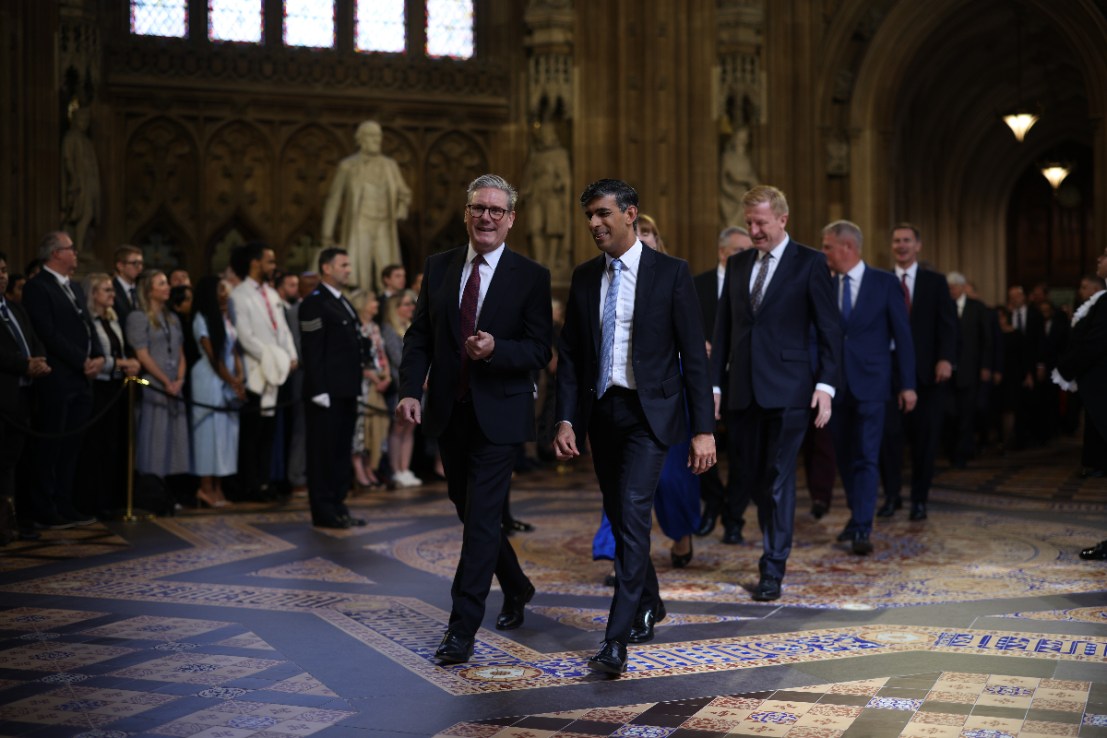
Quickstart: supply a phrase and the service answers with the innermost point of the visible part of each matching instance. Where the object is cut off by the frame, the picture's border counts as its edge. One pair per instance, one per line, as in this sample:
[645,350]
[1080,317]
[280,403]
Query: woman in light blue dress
[218,381]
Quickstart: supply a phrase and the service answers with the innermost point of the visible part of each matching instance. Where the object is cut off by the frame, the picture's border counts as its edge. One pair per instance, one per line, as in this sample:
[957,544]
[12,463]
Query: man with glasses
[128,268]
[59,314]
[482,327]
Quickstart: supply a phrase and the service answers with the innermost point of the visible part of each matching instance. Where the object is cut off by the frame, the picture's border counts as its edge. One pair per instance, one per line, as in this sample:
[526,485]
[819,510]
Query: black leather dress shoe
[610,659]
[818,509]
[335,523]
[888,509]
[733,535]
[454,649]
[1097,552]
[861,544]
[642,630]
[682,560]
[707,523]
[352,522]
[514,525]
[767,590]
[511,615]
[918,511]
[846,535]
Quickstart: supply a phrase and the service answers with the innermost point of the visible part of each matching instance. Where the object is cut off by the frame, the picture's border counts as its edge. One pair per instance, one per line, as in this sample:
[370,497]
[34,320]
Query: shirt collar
[492,258]
[778,250]
[630,258]
[910,271]
[61,279]
[337,293]
[857,272]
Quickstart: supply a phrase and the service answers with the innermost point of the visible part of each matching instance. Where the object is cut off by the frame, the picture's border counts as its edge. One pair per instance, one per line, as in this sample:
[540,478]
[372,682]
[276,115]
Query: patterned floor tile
[316,569]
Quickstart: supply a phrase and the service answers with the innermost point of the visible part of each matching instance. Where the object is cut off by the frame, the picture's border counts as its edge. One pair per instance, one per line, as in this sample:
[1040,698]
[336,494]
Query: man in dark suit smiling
[772,295]
[482,326]
[632,365]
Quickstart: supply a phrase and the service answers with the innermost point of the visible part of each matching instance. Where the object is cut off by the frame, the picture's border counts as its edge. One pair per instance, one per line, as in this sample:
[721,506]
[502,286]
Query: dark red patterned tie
[906,292]
[468,322]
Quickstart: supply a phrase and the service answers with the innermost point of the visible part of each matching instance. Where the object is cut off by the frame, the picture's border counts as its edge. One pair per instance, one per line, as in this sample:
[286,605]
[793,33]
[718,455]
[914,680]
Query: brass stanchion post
[129,513]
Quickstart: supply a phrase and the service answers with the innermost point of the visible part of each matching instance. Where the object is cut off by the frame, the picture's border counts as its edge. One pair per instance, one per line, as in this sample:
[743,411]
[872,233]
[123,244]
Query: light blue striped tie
[607,335]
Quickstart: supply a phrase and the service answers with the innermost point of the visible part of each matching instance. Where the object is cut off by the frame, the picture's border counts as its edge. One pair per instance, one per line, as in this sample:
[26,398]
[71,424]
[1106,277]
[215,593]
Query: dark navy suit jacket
[765,357]
[878,316]
[516,311]
[13,365]
[669,357]
[64,329]
[933,324]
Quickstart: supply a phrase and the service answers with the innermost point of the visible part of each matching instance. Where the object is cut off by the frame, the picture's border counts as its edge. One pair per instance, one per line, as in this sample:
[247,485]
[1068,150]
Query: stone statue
[837,154]
[545,191]
[372,195]
[80,179]
[736,177]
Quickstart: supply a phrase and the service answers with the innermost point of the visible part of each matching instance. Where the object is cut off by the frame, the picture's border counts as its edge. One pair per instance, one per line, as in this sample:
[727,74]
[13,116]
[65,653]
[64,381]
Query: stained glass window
[235,20]
[450,28]
[159,18]
[379,26]
[309,23]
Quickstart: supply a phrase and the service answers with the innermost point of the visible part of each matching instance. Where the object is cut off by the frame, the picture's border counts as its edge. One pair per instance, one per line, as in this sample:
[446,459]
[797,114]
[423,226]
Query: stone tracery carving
[238,172]
[161,170]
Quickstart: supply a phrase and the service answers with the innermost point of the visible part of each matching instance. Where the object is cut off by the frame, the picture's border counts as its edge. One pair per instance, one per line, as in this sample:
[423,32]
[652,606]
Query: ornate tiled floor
[981,622]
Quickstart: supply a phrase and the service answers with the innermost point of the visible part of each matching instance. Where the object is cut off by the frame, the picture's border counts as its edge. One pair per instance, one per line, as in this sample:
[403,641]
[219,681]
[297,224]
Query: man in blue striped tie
[631,357]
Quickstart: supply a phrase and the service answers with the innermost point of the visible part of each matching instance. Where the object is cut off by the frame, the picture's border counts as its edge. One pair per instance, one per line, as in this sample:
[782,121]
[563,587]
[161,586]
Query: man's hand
[820,401]
[565,442]
[37,367]
[93,366]
[943,370]
[480,346]
[907,400]
[718,397]
[701,454]
[293,366]
[409,411]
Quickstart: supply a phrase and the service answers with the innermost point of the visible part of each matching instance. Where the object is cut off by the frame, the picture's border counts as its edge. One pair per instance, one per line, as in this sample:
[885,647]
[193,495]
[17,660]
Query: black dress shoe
[846,535]
[681,560]
[514,525]
[1097,552]
[1091,473]
[889,508]
[818,510]
[767,590]
[610,659]
[29,534]
[642,630]
[352,522]
[511,615]
[861,545]
[707,523]
[733,535]
[54,522]
[334,523]
[918,511]
[454,649]
[609,580]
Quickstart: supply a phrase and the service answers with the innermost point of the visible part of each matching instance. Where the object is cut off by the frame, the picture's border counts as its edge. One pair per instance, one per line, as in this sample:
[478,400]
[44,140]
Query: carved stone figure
[837,154]
[545,191]
[80,179]
[372,196]
[736,177]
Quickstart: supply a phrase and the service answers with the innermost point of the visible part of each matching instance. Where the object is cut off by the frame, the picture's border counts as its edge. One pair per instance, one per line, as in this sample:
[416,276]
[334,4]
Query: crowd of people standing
[220,415]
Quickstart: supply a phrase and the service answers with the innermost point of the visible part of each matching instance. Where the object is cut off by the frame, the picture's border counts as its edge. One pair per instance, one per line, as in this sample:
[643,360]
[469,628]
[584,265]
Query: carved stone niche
[453,161]
[161,170]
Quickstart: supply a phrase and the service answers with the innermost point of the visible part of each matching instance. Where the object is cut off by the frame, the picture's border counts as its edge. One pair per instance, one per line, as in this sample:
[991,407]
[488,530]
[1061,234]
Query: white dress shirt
[487,269]
[777,252]
[622,373]
[855,276]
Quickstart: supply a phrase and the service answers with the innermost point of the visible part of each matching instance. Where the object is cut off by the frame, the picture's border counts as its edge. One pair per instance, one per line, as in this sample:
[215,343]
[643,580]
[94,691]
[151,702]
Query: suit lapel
[861,296]
[595,284]
[647,268]
[784,270]
[451,290]
[502,279]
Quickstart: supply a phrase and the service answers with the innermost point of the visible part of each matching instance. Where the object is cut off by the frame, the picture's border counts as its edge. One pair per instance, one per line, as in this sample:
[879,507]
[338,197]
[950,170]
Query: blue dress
[676,502]
[214,434]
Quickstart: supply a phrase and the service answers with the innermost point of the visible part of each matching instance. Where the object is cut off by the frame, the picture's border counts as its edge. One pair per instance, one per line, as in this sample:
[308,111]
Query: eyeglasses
[478,211]
[136,262]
